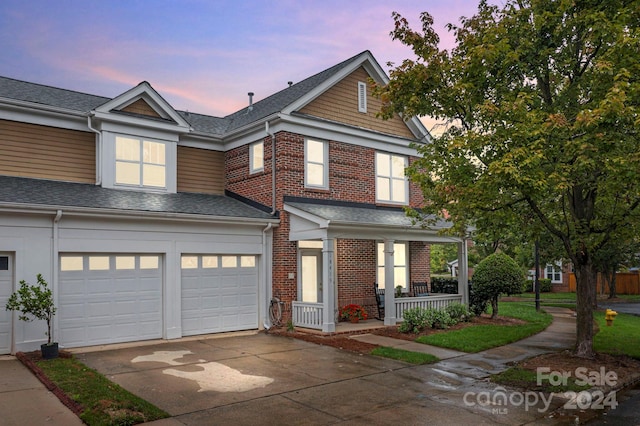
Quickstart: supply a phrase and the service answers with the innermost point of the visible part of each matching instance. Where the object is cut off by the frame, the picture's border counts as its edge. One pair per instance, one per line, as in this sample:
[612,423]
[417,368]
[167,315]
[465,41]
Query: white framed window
[391,183]
[316,157]
[362,97]
[256,157]
[400,267]
[554,272]
[140,162]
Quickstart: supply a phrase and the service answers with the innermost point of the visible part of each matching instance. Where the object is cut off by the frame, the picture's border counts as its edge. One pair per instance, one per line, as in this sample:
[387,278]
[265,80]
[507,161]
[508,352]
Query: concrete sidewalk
[25,401]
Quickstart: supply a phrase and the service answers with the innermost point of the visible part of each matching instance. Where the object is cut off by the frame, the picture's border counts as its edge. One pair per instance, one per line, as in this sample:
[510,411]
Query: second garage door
[219,293]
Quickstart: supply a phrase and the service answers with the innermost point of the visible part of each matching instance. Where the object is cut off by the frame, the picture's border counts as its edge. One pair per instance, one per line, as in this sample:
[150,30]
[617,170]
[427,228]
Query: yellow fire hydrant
[610,316]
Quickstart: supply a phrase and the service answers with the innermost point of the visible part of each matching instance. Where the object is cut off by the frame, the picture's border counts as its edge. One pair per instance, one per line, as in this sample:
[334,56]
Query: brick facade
[348,181]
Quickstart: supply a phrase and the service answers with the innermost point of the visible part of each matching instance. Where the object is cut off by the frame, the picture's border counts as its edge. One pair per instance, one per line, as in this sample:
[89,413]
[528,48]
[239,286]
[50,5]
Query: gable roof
[285,101]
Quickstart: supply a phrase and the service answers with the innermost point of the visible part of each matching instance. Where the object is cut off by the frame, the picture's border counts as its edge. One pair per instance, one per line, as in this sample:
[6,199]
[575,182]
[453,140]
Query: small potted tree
[36,302]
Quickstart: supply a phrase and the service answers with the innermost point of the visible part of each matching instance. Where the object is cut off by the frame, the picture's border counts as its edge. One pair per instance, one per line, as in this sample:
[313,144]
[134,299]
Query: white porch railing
[305,314]
[426,302]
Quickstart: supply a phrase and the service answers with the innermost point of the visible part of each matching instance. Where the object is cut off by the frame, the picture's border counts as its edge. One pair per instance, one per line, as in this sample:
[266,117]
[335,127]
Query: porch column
[389,288]
[328,286]
[463,272]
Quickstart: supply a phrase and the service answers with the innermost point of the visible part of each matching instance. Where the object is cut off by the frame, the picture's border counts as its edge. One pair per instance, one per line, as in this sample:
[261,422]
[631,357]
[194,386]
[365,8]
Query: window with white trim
[362,97]
[554,272]
[391,183]
[256,157]
[400,267]
[316,156]
[140,162]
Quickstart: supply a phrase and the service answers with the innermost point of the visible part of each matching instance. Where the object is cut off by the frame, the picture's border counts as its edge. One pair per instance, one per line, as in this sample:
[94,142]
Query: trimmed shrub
[545,285]
[415,320]
[477,302]
[459,312]
[496,275]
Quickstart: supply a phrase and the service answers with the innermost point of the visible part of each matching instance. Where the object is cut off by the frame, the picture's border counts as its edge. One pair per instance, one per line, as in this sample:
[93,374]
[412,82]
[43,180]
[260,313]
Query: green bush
[459,312]
[417,319]
[496,275]
[477,302]
[545,285]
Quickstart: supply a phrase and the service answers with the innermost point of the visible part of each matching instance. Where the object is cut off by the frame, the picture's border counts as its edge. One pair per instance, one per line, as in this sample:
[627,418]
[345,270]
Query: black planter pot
[49,351]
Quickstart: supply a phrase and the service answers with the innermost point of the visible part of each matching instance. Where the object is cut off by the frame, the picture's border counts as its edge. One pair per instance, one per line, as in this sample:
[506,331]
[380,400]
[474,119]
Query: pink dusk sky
[202,56]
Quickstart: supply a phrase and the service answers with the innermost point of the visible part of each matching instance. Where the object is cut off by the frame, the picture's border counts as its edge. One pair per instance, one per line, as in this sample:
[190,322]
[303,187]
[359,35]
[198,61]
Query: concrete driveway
[270,379]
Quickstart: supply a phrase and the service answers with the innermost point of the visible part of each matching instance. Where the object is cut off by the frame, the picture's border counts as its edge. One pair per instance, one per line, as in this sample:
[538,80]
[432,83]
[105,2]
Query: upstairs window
[256,157]
[391,182]
[140,162]
[362,97]
[315,164]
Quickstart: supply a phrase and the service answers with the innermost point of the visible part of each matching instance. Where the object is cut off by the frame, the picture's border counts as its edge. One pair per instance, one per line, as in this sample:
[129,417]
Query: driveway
[271,379]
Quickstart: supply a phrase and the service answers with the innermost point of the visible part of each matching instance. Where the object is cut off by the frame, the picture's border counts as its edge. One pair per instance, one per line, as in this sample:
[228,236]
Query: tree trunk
[612,286]
[585,298]
[494,308]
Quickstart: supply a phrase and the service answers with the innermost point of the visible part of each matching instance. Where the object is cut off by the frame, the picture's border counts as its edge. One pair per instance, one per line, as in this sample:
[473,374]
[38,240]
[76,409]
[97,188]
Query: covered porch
[323,225]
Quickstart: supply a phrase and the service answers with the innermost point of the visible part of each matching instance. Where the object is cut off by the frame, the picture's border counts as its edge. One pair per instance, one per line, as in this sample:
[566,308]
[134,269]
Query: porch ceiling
[312,221]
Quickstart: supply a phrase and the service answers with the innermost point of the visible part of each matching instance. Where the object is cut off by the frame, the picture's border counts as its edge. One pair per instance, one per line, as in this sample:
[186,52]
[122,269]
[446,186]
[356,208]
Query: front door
[311,276]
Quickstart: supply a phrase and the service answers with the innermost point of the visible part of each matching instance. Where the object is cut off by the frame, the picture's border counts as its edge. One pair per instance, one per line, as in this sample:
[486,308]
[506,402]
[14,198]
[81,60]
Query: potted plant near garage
[36,302]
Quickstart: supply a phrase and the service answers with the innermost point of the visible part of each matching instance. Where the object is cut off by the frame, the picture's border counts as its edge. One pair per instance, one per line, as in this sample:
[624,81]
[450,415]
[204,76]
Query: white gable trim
[148,94]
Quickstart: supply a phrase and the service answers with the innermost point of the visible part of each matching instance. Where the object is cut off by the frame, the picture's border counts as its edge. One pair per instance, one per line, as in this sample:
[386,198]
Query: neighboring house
[556,272]
[154,223]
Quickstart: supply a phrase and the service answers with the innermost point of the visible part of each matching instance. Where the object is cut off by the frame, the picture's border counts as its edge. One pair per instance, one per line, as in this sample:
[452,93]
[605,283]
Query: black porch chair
[420,289]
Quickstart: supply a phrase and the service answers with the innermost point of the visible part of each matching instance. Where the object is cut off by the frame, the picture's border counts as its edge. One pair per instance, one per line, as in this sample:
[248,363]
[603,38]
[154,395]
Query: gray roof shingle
[370,215]
[18,190]
[203,124]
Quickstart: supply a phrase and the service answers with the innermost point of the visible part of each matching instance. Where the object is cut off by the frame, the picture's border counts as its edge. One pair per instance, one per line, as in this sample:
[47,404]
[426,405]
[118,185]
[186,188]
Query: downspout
[273,167]
[267,289]
[98,150]
[56,267]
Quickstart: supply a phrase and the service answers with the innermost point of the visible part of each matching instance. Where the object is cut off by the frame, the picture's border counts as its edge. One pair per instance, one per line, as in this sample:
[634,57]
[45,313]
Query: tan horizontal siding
[141,107]
[200,170]
[340,103]
[30,150]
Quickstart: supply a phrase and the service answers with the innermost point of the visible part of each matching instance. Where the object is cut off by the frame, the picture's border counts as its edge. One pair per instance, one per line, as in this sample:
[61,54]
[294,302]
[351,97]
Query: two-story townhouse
[154,223]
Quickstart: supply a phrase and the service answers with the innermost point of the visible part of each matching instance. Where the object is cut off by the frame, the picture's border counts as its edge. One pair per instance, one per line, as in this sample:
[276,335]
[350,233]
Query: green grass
[621,337]
[527,379]
[406,356]
[105,403]
[549,296]
[481,337]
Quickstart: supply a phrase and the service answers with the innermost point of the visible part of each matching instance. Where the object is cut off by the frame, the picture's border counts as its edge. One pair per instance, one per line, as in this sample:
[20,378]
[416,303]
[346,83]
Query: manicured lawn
[105,402]
[549,296]
[621,338]
[406,356]
[482,337]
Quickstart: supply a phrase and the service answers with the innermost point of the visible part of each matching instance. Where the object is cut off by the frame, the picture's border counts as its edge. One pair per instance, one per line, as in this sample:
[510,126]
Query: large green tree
[541,101]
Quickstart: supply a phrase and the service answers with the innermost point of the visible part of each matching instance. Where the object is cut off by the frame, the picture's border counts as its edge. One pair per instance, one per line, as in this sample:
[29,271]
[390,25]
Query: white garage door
[219,293]
[109,299]
[6,288]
